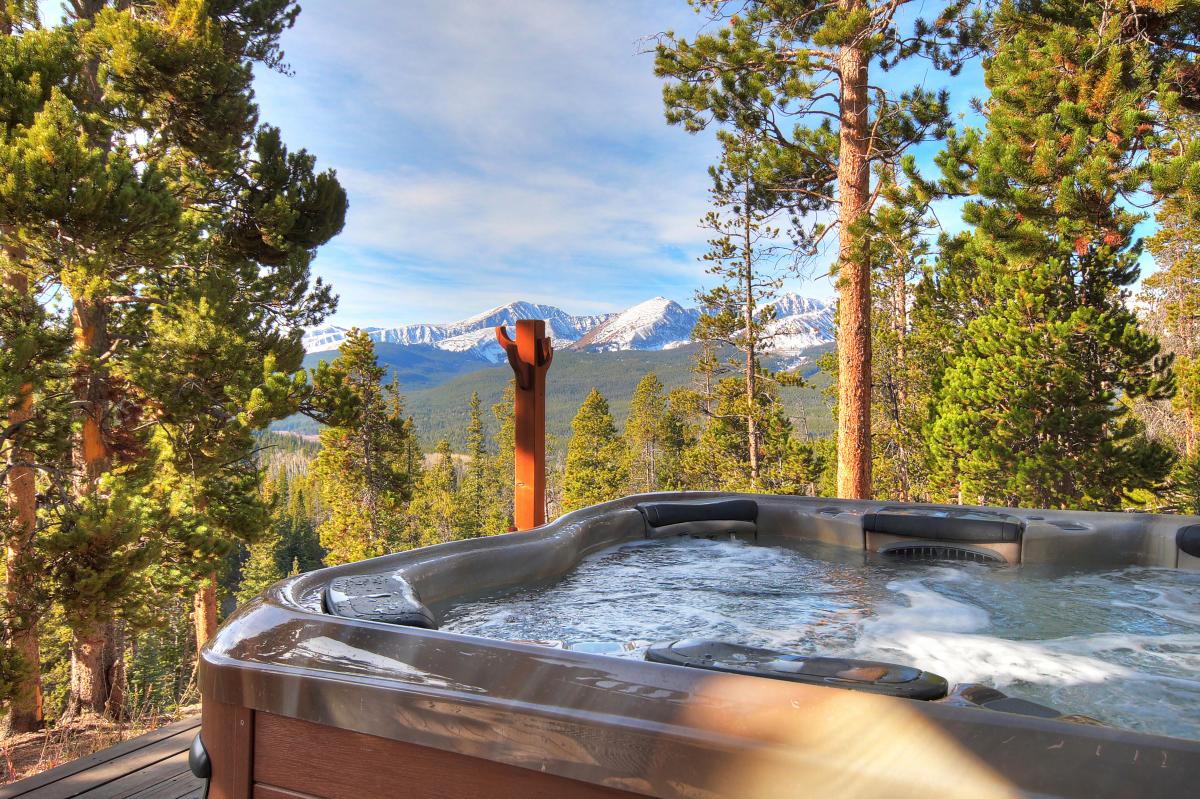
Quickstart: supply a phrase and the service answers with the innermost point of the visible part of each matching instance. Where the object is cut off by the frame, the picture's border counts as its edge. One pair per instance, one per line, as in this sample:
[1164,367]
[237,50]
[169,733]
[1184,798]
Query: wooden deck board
[151,766]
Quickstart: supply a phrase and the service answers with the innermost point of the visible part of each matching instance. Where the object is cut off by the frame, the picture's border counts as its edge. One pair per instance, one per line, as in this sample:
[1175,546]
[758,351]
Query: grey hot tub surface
[667,731]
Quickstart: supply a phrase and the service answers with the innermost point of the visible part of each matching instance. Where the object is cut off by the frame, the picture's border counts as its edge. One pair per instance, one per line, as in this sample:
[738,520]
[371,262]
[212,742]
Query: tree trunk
[96,667]
[204,603]
[97,671]
[205,611]
[901,317]
[751,345]
[854,279]
[25,714]
[1189,437]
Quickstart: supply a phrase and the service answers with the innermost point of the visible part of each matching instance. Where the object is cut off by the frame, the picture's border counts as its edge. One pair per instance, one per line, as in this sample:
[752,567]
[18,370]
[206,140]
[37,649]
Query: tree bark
[97,666]
[854,278]
[901,317]
[25,714]
[751,343]
[204,615]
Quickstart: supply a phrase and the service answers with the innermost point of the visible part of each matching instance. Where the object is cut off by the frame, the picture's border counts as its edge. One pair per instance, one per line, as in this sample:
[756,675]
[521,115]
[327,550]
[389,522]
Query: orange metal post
[529,356]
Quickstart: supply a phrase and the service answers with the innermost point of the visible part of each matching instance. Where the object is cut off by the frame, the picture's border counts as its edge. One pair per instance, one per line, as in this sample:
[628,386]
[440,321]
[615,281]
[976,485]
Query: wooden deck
[151,766]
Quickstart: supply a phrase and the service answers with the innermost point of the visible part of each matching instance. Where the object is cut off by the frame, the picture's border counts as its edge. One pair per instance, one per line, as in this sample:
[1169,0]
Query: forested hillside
[439,412]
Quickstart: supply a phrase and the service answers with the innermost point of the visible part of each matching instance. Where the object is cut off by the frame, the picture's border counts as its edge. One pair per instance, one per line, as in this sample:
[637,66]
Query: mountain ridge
[655,324]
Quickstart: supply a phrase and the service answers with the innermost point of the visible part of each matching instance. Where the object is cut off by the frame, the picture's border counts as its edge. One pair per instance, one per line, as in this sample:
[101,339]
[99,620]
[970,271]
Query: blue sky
[502,151]
[493,155]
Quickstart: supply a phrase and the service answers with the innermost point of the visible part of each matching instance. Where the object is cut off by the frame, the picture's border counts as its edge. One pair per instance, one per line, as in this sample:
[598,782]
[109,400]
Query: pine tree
[434,510]
[653,438]
[478,496]
[901,252]
[715,459]
[1034,408]
[30,361]
[260,568]
[364,469]
[148,110]
[738,309]
[301,546]
[595,466]
[809,63]
[500,518]
[1172,295]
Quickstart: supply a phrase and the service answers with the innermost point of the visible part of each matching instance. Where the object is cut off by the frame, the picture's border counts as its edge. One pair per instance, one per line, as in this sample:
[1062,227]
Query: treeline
[155,247]
[1006,364]
[376,492]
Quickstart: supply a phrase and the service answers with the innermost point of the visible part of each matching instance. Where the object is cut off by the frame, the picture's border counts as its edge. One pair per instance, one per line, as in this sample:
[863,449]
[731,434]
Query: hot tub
[337,683]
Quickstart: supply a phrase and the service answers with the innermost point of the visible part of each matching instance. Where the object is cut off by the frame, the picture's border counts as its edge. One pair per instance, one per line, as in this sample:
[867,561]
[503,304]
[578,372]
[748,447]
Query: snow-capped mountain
[800,323]
[656,324]
[474,334]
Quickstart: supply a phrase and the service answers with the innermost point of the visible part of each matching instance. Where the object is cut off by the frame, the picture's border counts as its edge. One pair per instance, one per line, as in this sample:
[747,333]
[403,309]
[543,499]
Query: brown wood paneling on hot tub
[295,758]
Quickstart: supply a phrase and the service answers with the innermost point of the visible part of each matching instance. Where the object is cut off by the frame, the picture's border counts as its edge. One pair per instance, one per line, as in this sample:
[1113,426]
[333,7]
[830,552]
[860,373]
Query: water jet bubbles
[1122,646]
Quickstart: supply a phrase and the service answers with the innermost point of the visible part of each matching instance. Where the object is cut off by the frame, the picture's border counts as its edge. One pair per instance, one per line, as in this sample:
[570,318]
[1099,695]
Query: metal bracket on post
[529,356]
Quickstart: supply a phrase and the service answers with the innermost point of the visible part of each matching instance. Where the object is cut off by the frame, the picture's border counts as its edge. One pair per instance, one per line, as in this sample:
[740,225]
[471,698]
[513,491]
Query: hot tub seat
[945,524]
[702,519]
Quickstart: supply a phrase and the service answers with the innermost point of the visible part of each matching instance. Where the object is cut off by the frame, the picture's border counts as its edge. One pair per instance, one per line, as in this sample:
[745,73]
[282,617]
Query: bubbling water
[1121,646]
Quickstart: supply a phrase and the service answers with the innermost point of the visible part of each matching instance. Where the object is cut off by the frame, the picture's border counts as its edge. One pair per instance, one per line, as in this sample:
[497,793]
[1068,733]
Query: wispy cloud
[495,151]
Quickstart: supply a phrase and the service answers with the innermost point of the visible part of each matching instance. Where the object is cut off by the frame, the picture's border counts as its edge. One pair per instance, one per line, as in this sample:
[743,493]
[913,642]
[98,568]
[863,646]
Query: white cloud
[497,150]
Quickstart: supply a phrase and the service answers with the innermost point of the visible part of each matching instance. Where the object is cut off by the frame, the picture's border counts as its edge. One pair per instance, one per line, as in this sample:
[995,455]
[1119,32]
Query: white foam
[1121,646]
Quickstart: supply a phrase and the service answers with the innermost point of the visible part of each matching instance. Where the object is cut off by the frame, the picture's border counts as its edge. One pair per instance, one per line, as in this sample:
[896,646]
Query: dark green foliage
[654,438]
[1033,407]
[438,411]
[369,455]
[595,465]
[433,514]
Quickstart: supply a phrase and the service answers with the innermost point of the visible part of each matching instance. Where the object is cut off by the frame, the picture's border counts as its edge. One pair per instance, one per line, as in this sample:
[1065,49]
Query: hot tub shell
[301,702]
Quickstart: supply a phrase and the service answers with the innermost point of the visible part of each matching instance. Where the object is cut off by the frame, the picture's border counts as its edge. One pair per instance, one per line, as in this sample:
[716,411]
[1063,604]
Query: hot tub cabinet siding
[276,757]
[300,702]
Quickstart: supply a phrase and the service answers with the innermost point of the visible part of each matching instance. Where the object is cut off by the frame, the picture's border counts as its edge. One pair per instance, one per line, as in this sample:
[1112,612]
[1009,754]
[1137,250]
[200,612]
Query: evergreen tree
[364,468]
[737,310]
[809,64]
[902,389]
[653,438]
[500,518]
[1033,408]
[479,500]
[261,568]
[1172,296]
[146,112]
[716,459]
[595,466]
[300,548]
[32,438]
[434,512]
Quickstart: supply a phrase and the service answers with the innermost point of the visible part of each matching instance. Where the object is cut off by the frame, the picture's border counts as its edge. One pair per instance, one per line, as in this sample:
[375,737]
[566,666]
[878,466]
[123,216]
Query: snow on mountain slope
[475,333]
[800,323]
[656,324]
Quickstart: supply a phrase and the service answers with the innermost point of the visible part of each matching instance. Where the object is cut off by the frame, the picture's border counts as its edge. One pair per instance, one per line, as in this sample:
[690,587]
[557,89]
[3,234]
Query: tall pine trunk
[25,714]
[204,607]
[97,672]
[854,278]
[204,601]
[901,317]
[751,342]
